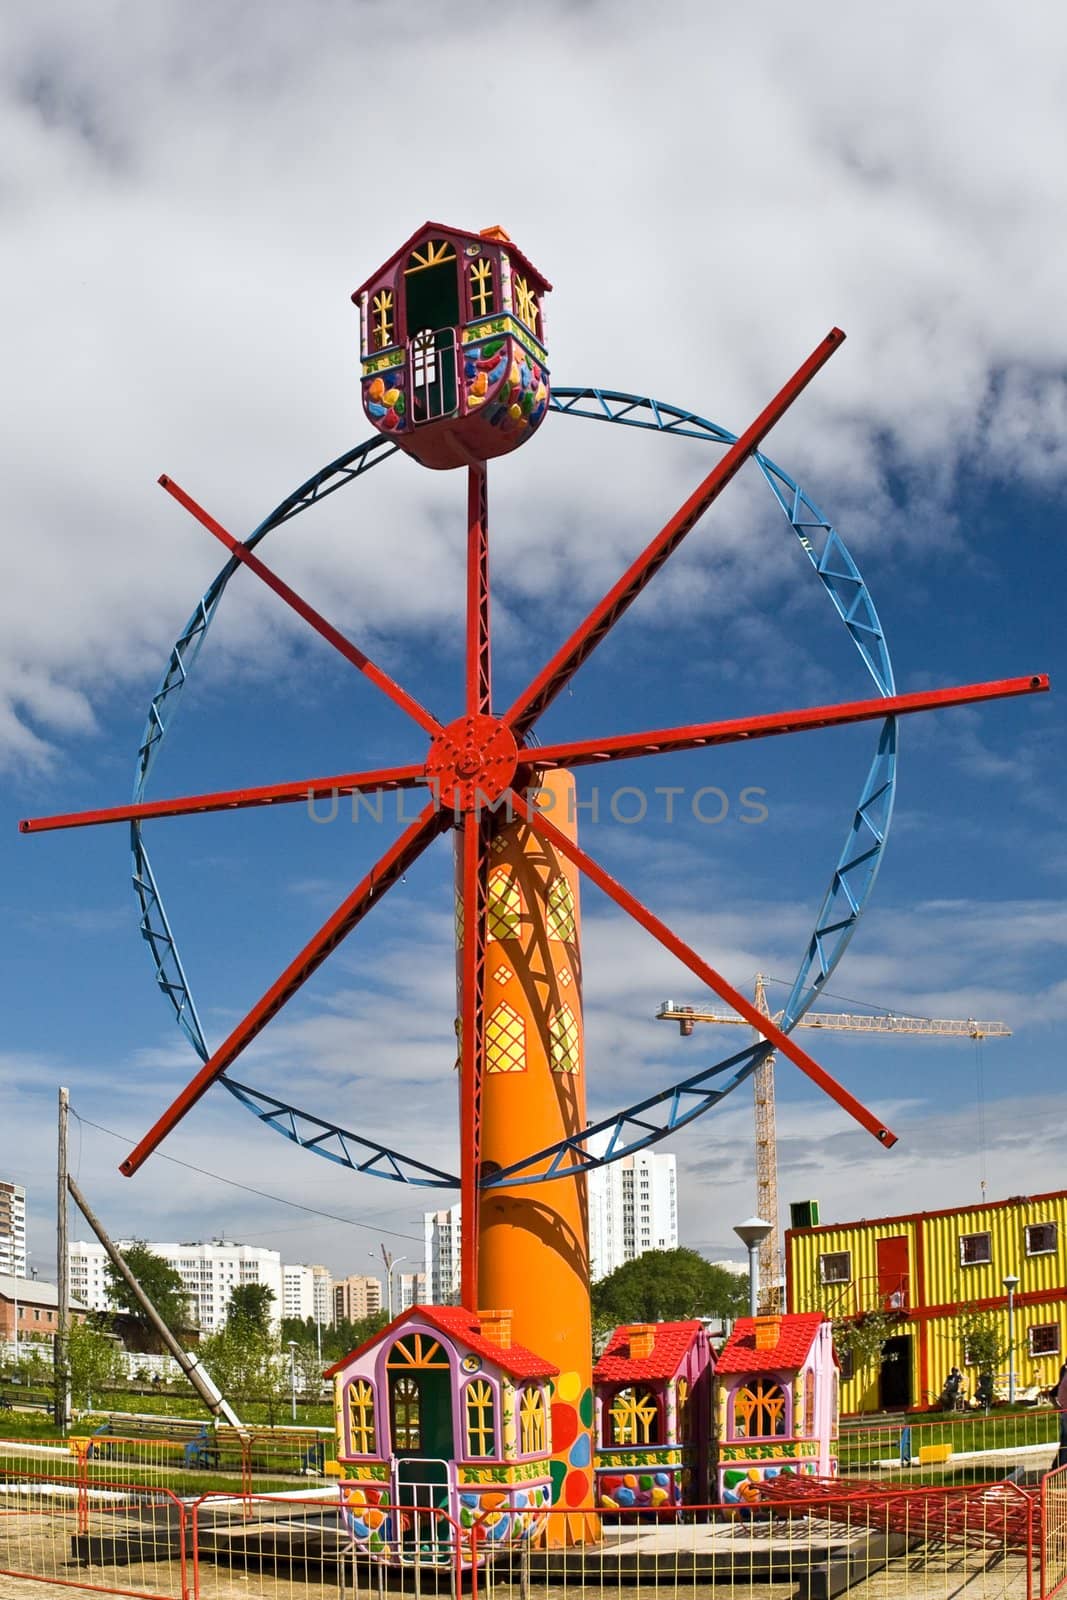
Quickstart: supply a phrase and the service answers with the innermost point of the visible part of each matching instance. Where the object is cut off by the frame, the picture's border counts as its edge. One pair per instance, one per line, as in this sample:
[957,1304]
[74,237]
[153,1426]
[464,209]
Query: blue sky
[190,212]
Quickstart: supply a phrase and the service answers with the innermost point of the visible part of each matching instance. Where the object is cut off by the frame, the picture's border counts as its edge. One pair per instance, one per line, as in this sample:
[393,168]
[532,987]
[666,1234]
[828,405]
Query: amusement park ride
[455,372]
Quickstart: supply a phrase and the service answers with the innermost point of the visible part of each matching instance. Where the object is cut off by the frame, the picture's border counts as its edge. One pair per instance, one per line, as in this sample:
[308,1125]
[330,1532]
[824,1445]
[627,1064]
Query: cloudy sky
[189,196]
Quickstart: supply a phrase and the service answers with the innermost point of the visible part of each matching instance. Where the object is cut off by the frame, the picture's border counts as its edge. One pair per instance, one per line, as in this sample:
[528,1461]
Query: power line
[297,1205]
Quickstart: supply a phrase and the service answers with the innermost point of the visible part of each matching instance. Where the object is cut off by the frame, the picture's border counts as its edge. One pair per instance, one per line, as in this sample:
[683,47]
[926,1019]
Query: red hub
[472,762]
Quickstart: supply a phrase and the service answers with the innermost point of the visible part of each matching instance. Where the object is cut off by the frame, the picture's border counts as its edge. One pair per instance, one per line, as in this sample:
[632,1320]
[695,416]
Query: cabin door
[420,1404]
[431,283]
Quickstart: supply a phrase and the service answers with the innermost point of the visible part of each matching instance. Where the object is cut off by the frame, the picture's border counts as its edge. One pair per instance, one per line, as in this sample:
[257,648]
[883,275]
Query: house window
[480,275]
[526,303]
[1044,1339]
[759,1410]
[1041,1239]
[836,1267]
[532,1422]
[975,1249]
[361,1417]
[407,1424]
[809,1403]
[384,324]
[481,1430]
[634,1418]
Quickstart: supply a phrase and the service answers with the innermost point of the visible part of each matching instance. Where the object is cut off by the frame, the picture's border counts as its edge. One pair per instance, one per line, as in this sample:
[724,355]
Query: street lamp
[752,1233]
[1011,1283]
[292,1374]
[390,1263]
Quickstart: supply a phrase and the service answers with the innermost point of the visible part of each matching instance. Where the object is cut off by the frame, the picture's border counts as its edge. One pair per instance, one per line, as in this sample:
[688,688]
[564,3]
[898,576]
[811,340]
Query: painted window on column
[505,1041]
[560,919]
[505,905]
[563,1040]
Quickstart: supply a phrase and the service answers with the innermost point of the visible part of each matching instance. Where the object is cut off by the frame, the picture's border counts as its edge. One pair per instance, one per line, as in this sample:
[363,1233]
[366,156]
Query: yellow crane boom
[770,1257]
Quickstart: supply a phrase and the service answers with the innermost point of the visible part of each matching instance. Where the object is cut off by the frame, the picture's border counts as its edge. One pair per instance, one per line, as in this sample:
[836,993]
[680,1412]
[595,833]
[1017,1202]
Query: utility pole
[60,1350]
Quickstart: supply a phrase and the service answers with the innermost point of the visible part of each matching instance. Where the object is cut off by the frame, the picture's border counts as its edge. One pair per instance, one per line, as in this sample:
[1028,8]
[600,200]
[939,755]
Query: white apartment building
[13,1229]
[210,1272]
[308,1292]
[633,1207]
[409,1289]
[442,1236]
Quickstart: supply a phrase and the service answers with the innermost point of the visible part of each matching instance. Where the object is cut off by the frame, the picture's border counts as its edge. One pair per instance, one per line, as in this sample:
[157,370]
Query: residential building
[29,1310]
[298,1292]
[442,1239]
[409,1289]
[356,1297]
[322,1295]
[13,1229]
[633,1207]
[209,1270]
[927,1273]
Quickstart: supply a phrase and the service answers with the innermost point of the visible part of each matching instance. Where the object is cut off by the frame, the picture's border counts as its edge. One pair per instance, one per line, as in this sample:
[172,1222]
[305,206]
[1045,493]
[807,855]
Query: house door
[431,284]
[892,1256]
[894,1375]
[420,1416]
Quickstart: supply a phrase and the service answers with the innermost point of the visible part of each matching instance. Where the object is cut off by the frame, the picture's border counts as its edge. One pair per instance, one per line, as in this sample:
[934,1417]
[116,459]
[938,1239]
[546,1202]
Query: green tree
[248,1364]
[95,1359]
[162,1284]
[985,1341]
[861,1339]
[668,1286]
[250,1306]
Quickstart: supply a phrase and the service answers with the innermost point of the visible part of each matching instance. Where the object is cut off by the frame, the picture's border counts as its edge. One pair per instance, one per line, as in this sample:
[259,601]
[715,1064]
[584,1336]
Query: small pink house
[776,1402]
[653,1412]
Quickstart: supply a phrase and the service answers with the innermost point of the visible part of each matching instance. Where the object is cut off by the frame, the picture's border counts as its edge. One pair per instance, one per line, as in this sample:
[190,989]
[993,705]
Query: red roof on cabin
[489,236]
[463,1326]
[795,1338]
[672,1343]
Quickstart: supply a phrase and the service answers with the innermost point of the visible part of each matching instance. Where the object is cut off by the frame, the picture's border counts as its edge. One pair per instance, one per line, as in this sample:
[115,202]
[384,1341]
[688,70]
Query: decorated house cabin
[653,1411]
[453,344]
[442,1413]
[776,1402]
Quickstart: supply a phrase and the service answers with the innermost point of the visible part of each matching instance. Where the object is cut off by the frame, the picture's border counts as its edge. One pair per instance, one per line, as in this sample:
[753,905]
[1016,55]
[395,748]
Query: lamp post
[1011,1283]
[292,1375]
[390,1263]
[752,1233]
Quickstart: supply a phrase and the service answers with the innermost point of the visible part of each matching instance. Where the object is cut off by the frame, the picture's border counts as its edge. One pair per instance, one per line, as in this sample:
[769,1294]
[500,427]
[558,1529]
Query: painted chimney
[641,1337]
[496,1328]
[768,1330]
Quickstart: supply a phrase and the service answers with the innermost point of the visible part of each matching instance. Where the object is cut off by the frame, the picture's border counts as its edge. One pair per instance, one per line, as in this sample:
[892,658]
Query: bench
[197,1439]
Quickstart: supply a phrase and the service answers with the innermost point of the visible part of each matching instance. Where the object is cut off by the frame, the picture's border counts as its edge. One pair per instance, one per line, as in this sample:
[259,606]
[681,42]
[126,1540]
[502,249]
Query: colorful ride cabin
[452,336]
[442,1421]
[776,1402]
[653,1413]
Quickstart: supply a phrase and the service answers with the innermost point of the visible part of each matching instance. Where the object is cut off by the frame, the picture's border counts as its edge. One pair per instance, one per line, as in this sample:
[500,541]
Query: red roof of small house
[671,1345]
[492,236]
[796,1335]
[463,1326]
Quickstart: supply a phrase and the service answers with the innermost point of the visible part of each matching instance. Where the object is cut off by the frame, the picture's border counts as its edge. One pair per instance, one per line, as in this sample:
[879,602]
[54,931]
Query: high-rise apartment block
[13,1229]
[307,1292]
[356,1297]
[633,1207]
[442,1234]
[410,1289]
[209,1271]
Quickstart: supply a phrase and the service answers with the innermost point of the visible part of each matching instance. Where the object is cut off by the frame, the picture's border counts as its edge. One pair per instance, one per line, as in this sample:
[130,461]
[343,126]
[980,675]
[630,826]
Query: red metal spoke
[715,981]
[569,657]
[479,674]
[381,877]
[658,741]
[351,652]
[269,794]
[472,886]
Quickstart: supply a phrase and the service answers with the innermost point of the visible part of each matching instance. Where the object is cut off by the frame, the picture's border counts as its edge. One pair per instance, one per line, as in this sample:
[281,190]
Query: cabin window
[563,1040]
[481,1418]
[809,1403]
[361,1432]
[431,291]
[1044,1339]
[505,905]
[480,281]
[634,1418]
[836,1267]
[505,1041]
[682,1409]
[975,1249]
[407,1422]
[532,1422]
[383,319]
[1041,1238]
[526,304]
[560,918]
[417,1350]
[759,1410]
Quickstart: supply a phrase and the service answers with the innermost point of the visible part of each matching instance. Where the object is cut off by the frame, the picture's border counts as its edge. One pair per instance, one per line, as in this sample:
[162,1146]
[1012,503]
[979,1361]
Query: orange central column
[534,1239]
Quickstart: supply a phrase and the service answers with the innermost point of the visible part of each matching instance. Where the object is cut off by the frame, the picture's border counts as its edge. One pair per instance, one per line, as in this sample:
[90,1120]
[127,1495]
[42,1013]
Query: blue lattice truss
[849,890]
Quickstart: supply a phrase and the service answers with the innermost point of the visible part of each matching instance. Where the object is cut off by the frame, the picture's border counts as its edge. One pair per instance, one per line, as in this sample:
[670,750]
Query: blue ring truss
[850,887]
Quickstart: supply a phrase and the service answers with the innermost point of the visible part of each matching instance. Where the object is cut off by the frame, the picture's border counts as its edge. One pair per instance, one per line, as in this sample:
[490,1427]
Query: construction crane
[771,1272]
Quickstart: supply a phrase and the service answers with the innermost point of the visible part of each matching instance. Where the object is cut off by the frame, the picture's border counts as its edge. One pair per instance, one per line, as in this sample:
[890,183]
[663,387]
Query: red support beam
[555,676]
[473,875]
[351,652]
[410,845]
[659,741]
[270,794]
[714,980]
[479,669]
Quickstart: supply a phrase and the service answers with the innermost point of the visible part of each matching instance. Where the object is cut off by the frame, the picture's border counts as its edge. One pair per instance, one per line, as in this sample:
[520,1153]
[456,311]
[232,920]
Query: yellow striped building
[928,1271]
